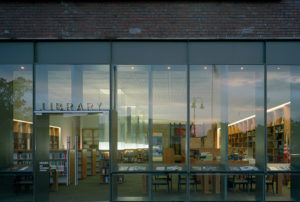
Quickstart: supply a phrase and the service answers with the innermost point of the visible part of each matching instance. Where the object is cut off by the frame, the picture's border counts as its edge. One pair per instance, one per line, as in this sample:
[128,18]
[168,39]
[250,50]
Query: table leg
[217,183]
[279,183]
[206,184]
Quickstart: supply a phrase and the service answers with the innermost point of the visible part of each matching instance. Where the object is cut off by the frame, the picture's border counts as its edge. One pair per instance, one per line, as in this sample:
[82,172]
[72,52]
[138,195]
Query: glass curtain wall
[133,131]
[175,133]
[227,147]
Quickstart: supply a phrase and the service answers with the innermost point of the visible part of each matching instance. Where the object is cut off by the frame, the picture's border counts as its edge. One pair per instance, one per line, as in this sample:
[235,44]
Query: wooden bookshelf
[104,167]
[241,138]
[54,137]
[58,160]
[23,131]
[278,122]
[81,165]
[22,157]
[91,162]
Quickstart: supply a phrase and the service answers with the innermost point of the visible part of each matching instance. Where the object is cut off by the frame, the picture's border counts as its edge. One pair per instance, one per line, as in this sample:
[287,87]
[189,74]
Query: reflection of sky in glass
[169,93]
[95,79]
[283,85]
[133,89]
[132,105]
[201,89]
[278,85]
[213,85]
[59,87]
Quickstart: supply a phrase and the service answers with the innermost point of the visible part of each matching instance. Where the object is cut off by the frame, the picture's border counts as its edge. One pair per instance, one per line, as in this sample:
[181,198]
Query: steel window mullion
[188,166]
[33,121]
[150,117]
[265,121]
[111,106]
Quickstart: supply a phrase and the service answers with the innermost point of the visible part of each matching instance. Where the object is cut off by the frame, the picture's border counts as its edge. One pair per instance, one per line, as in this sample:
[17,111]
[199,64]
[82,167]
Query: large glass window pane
[227,103]
[169,98]
[283,95]
[16,175]
[245,117]
[205,117]
[133,110]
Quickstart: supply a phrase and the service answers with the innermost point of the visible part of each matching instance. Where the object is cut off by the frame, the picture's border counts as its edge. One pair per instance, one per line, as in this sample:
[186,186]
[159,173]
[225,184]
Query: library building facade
[136,101]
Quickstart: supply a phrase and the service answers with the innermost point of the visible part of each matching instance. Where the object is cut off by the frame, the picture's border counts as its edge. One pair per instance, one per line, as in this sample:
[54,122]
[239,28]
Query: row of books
[25,162]
[58,155]
[104,155]
[60,166]
[22,156]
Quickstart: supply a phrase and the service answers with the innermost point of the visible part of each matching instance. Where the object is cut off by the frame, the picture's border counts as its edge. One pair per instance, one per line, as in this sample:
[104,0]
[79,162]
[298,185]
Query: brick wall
[201,19]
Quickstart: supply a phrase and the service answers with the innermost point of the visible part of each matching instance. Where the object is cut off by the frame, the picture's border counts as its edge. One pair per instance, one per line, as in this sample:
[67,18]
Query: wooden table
[216,181]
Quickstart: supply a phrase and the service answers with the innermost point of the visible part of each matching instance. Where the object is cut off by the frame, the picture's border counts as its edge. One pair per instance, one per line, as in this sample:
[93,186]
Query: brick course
[208,19]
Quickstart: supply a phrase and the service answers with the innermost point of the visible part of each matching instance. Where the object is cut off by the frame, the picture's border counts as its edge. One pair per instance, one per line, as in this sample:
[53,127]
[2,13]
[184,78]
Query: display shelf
[81,165]
[58,160]
[91,162]
[104,167]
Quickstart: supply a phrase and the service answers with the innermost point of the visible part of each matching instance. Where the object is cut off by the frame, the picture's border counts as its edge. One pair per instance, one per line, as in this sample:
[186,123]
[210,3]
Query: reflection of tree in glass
[12,97]
[22,109]
[5,96]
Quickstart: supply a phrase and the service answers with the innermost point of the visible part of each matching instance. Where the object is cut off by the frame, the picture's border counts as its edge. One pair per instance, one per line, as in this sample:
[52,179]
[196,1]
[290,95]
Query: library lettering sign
[71,107]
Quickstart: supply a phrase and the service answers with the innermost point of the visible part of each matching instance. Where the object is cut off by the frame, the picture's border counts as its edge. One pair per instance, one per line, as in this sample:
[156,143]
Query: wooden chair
[193,181]
[239,180]
[162,179]
[270,180]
